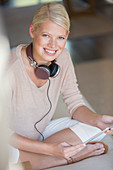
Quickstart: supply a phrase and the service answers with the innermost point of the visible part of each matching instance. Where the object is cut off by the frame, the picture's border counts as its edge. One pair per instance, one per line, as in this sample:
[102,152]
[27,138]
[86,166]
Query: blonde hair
[54,12]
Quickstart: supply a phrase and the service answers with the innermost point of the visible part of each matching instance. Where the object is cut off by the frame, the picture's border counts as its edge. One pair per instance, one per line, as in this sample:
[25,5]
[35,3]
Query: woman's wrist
[47,149]
[95,120]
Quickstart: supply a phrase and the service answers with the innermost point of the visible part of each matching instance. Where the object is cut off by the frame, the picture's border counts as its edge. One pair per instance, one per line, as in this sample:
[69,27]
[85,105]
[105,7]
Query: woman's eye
[45,35]
[62,38]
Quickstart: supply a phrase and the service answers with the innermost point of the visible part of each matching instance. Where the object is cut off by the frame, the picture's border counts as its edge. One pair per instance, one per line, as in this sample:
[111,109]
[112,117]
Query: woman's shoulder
[13,65]
[14,55]
[15,52]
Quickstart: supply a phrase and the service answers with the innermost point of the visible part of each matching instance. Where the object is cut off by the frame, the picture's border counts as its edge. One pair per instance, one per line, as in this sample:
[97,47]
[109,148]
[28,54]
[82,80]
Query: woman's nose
[52,43]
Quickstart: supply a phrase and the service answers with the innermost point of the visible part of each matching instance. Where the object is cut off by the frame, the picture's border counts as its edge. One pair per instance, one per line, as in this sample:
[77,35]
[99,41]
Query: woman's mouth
[50,52]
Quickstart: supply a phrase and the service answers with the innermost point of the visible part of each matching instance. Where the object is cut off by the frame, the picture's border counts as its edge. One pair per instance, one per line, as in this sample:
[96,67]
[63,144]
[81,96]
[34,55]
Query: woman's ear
[31,31]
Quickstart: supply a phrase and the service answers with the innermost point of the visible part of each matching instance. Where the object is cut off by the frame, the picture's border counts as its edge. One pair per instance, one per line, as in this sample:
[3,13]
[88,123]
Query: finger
[78,149]
[107,119]
[75,147]
[65,144]
[73,150]
[79,146]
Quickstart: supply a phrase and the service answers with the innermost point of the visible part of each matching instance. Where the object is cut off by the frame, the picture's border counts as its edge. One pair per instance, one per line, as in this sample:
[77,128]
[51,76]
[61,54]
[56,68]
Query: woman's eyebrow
[64,35]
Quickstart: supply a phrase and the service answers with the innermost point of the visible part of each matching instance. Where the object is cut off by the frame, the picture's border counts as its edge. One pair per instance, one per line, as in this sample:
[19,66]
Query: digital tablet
[98,134]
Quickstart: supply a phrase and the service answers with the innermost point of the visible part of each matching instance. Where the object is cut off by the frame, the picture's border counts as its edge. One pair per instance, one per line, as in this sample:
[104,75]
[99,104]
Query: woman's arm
[29,145]
[85,115]
[62,149]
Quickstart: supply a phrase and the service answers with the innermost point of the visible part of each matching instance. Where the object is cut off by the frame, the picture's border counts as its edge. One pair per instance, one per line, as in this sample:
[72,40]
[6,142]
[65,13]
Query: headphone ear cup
[42,72]
[54,69]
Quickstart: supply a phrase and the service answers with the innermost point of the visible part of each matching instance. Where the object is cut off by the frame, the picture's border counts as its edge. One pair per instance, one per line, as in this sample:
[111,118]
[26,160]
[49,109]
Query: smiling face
[48,41]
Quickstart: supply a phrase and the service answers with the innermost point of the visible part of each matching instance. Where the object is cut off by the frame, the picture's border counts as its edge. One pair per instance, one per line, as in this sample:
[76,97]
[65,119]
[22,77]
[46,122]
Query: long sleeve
[70,91]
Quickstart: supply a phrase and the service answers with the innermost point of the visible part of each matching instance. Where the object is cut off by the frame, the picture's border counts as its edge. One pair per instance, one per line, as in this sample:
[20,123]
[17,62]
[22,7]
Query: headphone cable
[46,113]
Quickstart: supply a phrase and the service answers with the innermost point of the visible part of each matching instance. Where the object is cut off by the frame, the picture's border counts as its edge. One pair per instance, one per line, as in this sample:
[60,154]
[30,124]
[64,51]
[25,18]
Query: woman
[41,72]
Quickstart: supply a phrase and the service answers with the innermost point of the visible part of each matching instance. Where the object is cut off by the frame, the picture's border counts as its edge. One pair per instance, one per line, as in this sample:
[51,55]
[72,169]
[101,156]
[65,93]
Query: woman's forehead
[51,27]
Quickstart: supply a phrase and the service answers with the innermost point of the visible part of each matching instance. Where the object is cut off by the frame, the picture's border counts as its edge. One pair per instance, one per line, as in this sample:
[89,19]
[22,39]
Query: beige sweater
[27,103]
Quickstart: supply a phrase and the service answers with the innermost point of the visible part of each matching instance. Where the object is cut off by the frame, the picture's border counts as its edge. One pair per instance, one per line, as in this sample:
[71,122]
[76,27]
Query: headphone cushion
[54,69]
[42,72]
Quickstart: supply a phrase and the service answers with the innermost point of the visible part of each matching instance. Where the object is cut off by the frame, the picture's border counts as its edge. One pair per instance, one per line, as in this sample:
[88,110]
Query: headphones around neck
[42,71]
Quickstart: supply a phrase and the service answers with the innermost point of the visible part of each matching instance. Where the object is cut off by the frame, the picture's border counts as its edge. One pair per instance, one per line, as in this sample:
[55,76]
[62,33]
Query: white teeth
[52,52]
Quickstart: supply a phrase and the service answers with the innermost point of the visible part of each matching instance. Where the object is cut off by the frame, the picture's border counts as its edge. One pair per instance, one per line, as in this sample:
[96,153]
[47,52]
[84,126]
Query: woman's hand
[64,149]
[105,121]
